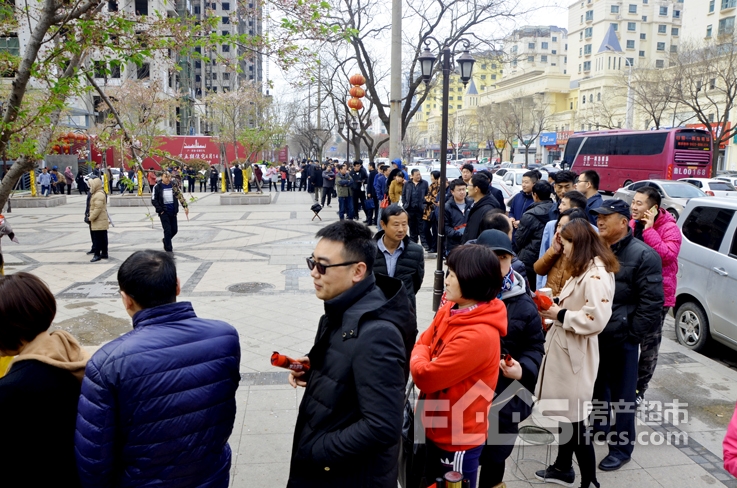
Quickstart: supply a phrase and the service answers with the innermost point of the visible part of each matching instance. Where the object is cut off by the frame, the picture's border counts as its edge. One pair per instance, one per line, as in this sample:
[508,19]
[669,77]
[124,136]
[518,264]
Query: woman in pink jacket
[730,447]
[658,230]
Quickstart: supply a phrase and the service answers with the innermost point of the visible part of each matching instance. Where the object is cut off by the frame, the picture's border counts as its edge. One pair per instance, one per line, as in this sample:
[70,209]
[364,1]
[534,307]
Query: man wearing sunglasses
[350,418]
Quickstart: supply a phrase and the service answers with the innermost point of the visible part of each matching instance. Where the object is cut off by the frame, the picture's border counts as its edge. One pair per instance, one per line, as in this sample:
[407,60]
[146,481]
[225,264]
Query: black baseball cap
[496,240]
[613,206]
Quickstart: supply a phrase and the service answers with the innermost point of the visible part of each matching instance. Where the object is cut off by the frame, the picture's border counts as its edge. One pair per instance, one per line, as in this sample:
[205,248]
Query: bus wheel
[627,183]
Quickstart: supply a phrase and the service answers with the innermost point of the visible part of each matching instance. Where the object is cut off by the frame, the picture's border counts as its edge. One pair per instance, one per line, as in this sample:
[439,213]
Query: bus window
[596,146]
[639,144]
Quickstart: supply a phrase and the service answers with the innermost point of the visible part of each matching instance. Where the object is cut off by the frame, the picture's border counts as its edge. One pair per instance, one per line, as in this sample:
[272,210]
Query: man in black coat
[350,419]
[316,180]
[483,202]
[637,305]
[359,175]
[525,342]
[456,214]
[397,256]
[529,236]
[372,213]
[413,201]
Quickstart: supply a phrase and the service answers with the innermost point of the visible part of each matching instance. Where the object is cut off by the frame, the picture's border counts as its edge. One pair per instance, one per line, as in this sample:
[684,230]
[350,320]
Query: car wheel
[692,326]
[674,213]
[627,183]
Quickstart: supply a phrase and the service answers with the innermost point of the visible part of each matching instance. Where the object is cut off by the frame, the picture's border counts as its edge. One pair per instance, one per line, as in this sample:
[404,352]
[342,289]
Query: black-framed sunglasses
[323,268]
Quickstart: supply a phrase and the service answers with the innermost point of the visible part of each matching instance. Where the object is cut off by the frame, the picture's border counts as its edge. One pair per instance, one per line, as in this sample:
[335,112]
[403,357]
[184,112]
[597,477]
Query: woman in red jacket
[455,363]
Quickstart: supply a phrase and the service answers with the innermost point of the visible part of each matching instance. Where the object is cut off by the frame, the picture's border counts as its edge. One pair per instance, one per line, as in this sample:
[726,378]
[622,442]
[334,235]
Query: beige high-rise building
[708,19]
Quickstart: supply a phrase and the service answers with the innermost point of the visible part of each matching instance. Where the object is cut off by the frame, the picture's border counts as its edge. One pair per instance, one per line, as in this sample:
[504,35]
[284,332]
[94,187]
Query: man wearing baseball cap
[638,303]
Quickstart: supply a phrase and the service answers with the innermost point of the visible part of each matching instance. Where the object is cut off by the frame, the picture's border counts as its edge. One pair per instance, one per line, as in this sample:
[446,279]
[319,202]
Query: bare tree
[411,143]
[495,125]
[528,117]
[653,93]
[706,83]
[461,130]
[604,110]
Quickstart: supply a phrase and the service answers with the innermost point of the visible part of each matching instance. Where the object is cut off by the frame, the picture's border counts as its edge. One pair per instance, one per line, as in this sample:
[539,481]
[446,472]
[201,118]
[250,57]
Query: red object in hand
[286,362]
[543,302]
[508,360]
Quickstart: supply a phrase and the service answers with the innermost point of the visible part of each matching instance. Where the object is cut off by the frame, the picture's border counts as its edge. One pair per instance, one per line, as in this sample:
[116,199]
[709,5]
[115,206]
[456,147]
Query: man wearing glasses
[588,184]
[350,418]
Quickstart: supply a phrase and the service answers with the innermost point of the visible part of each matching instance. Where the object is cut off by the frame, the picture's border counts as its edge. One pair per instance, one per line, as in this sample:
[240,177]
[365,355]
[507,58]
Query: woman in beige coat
[571,361]
[98,218]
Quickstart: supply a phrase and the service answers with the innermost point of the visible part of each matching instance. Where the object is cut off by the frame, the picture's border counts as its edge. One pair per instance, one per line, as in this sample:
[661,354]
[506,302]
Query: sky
[556,15]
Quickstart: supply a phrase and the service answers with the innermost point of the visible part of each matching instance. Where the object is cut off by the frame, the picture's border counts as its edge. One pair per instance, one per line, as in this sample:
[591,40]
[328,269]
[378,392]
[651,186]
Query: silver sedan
[675,194]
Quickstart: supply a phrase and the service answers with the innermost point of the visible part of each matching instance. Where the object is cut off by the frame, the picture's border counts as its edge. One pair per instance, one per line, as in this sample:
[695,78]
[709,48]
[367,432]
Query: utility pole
[395,104]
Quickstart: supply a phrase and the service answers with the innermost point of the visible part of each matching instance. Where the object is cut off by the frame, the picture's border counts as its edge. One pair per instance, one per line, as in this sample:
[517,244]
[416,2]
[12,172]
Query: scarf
[507,282]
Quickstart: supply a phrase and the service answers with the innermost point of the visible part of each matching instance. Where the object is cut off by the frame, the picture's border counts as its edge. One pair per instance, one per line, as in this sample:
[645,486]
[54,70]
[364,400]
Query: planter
[129,200]
[244,199]
[37,202]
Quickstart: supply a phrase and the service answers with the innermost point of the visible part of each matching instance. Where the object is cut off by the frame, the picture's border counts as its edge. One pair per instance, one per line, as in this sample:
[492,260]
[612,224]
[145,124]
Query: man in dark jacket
[456,214]
[348,436]
[588,184]
[316,180]
[519,203]
[413,201]
[531,227]
[139,420]
[359,175]
[637,305]
[397,255]
[166,198]
[372,213]
[483,202]
[525,342]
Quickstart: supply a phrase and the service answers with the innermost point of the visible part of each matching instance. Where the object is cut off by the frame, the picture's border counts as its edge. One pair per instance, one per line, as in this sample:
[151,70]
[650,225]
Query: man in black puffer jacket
[397,256]
[529,236]
[483,202]
[350,419]
[525,342]
[456,214]
[637,305]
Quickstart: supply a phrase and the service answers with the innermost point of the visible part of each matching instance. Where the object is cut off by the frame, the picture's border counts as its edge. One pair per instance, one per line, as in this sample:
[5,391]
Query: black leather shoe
[90,252]
[612,463]
[95,259]
[104,257]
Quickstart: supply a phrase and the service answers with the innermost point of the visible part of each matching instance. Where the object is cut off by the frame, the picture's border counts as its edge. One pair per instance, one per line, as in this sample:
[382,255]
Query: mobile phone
[654,210]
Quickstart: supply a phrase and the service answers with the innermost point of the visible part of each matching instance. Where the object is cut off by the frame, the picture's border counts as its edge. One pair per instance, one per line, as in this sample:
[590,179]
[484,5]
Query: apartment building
[708,19]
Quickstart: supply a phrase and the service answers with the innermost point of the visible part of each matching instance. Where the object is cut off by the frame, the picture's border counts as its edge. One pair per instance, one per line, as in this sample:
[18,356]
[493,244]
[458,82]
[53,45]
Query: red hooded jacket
[455,364]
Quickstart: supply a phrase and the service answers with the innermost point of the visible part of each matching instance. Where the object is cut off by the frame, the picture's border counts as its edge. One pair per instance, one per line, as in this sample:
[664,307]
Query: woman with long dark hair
[571,361]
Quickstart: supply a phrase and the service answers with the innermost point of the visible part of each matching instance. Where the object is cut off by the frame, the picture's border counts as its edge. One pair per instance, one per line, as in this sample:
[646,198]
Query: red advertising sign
[283,155]
[716,131]
[562,137]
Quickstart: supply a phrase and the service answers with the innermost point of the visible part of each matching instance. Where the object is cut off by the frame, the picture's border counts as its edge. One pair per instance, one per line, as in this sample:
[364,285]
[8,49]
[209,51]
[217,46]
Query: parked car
[499,184]
[513,178]
[116,178]
[713,187]
[728,177]
[707,273]
[451,172]
[675,194]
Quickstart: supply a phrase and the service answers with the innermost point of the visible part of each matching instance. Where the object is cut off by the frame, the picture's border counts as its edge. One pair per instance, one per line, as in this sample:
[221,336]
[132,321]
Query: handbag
[385,202]
[368,204]
[412,457]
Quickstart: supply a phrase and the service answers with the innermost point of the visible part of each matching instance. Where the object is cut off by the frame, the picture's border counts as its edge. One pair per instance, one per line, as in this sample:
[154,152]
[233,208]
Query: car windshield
[674,190]
[721,186]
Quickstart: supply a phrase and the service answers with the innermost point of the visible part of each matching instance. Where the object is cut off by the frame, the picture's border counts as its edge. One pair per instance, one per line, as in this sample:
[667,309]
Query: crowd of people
[156,407]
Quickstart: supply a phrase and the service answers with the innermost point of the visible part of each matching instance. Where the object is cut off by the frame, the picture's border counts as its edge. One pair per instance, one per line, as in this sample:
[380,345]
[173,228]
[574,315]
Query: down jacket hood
[58,349]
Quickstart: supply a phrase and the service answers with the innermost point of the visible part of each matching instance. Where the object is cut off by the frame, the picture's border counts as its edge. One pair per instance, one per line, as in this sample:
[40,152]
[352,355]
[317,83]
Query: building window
[633,8]
[225,33]
[663,10]
[544,45]
[589,15]
[661,46]
[659,63]
[579,67]
[726,26]
[662,29]
[676,14]
[530,45]
[615,27]
[214,76]
[583,100]
[493,65]
[225,6]
[674,31]
[615,9]
[226,20]
[141,7]
[630,44]
[112,6]
[674,49]
[642,54]
[114,69]
[197,78]
[144,71]
[100,69]
[226,48]
[587,65]
[554,51]
[712,83]
[630,62]
[587,49]
[588,32]
[531,59]
[711,5]
[493,77]
[580,36]
[644,18]
[631,26]
[598,97]
[728,4]
[543,59]
[708,31]
[643,36]
[196,10]
[555,39]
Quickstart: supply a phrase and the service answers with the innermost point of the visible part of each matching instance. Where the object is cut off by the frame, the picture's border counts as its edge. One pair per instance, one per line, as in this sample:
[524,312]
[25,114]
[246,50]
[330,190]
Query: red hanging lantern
[355,104]
[357,92]
[357,79]
[56,148]
[66,148]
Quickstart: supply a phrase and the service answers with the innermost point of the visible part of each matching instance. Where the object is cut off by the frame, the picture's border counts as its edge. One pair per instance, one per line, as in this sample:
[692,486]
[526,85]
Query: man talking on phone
[350,419]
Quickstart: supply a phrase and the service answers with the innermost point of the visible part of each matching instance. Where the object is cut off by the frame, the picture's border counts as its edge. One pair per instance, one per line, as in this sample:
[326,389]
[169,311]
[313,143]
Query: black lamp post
[465,64]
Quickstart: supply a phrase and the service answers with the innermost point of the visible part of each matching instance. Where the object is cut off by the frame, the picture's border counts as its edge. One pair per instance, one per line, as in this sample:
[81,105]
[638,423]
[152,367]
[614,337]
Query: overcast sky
[556,15]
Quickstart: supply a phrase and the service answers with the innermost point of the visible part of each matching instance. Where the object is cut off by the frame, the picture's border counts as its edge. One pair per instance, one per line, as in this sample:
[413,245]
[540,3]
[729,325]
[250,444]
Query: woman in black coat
[46,373]
[238,178]
[525,343]
[81,185]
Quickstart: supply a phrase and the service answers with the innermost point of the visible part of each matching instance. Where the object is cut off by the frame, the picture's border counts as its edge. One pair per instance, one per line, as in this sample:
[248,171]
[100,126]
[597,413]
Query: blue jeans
[45,190]
[345,207]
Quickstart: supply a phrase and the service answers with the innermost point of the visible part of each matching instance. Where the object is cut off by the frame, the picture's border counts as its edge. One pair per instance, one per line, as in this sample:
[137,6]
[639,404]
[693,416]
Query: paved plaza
[246,265]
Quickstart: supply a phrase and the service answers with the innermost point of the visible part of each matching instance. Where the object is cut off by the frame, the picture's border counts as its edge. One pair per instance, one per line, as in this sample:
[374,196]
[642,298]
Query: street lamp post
[427,62]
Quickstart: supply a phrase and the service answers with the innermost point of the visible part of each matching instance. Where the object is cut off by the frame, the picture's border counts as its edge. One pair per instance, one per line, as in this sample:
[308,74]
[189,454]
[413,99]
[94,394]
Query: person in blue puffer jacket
[158,404]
